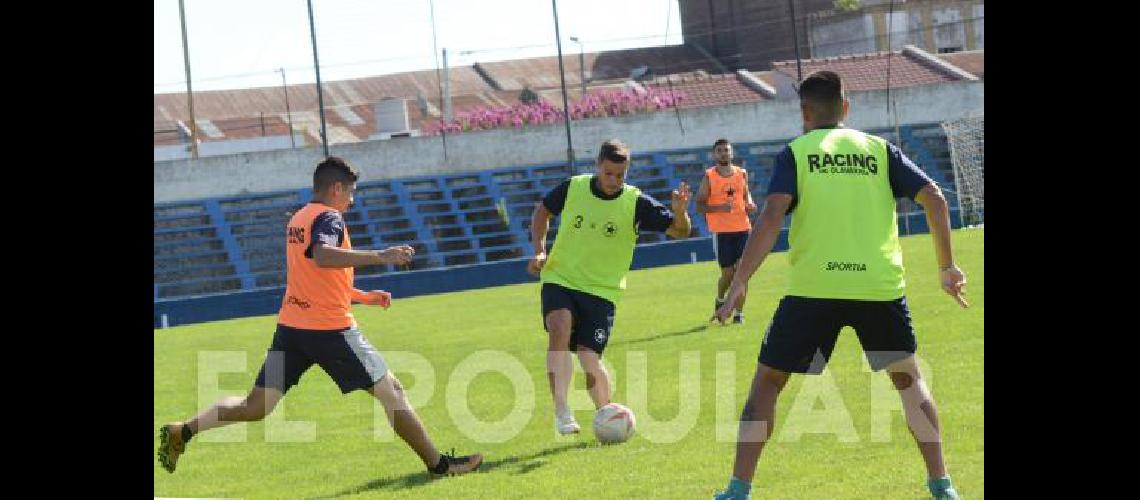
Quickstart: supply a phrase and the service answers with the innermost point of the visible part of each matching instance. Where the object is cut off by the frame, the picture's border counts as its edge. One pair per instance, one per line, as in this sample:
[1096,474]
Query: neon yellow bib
[594,246]
[844,233]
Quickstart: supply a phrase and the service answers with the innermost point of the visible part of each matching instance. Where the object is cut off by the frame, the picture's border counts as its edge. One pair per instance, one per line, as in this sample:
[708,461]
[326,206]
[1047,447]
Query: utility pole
[562,76]
[288,112]
[189,89]
[581,63]
[320,95]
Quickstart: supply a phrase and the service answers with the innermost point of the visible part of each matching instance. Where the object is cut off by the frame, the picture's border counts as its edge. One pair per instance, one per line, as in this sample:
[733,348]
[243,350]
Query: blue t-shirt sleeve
[328,228]
[906,178]
[555,200]
[784,176]
[651,215]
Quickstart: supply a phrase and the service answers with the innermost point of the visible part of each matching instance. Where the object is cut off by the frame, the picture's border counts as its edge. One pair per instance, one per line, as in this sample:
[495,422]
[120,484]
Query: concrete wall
[979,13]
[474,151]
[227,147]
[748,33]
[171,152]
[928,24]
[949,31]
[851,35]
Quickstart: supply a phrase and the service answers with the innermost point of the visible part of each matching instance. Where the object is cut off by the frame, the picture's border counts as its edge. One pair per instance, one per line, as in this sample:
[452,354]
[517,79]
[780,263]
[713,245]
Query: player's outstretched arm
[760,243]
[682,226]
[373,298]
[539,225]
[335,258]
[938,220]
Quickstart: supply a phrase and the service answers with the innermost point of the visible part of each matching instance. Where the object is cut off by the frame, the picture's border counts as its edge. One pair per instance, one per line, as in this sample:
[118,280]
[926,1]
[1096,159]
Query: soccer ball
[614,423]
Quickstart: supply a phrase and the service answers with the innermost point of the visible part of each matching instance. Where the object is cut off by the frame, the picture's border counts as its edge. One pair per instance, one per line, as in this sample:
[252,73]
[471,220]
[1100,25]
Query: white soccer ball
[614,423]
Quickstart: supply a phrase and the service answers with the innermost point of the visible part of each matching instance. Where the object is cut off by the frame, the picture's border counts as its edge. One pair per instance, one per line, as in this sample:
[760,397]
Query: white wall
[176,180]
[227,147]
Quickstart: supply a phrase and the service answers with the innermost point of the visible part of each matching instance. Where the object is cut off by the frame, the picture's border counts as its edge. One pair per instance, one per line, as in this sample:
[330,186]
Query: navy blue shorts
[592,316]
[345,355]
[804,330]
[729,247]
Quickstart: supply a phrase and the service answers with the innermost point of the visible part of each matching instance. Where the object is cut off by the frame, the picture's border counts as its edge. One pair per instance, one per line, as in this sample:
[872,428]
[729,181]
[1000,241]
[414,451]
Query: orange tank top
[315,298]
[721,191]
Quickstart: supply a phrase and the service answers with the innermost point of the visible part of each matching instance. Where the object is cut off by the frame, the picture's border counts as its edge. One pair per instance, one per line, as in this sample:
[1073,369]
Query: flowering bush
[596,104]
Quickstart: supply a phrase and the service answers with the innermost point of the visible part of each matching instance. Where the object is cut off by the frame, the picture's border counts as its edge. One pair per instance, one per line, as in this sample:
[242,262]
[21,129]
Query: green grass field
[844,445]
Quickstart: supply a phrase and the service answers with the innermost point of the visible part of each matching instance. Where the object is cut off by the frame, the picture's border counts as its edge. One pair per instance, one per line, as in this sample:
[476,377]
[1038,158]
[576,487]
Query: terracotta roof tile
[713,90]
[973,61]
[869,71]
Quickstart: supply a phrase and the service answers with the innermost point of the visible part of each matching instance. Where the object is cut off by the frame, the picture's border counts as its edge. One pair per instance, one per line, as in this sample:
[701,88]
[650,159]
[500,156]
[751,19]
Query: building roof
[972,61]
[350,104]
[869,71]
[702,89]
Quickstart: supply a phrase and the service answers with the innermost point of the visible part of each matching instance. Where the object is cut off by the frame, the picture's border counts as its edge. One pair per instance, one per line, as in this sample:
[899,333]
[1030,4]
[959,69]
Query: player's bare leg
[757,420]
[722,285]
[174,436]
[922,421]
[725,281]
[597,378]
[410,428]
[921,413]
[560,368]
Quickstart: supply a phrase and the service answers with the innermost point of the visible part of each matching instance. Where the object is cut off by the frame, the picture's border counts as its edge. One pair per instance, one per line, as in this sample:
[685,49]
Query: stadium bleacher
[234,243]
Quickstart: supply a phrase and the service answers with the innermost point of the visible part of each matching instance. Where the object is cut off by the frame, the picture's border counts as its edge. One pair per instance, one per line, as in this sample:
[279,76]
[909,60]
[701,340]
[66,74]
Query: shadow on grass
[698,328]
[526,464]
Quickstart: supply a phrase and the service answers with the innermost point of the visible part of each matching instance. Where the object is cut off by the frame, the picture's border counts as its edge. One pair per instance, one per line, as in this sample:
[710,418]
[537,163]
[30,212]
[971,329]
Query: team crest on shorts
[600,335]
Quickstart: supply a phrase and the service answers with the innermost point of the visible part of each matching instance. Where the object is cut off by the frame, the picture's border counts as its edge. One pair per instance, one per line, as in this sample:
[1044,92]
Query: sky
[243,43]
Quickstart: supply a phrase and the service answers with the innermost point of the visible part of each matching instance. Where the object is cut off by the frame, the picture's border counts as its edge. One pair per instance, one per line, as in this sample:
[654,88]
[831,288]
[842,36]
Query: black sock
[186,433]
[441,467]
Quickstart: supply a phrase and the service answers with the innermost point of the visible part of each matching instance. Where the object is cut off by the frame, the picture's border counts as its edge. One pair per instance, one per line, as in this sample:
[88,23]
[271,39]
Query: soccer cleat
[566,424]
[737,490]
[455,466]
[942,489]
[738,318]
[731,495]
[170,445]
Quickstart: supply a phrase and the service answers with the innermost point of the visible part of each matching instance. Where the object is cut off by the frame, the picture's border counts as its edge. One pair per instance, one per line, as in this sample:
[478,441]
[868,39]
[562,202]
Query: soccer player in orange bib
[726,202]
[316,326]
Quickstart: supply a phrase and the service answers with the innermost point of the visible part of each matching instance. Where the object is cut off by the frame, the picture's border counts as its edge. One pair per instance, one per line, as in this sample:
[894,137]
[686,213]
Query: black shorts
[729,247]
[804,330]
[343,354]
[592,316]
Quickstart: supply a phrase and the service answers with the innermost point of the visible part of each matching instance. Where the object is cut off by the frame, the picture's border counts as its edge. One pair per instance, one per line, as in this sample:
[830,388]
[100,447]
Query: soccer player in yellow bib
[584,275]
[846,270]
